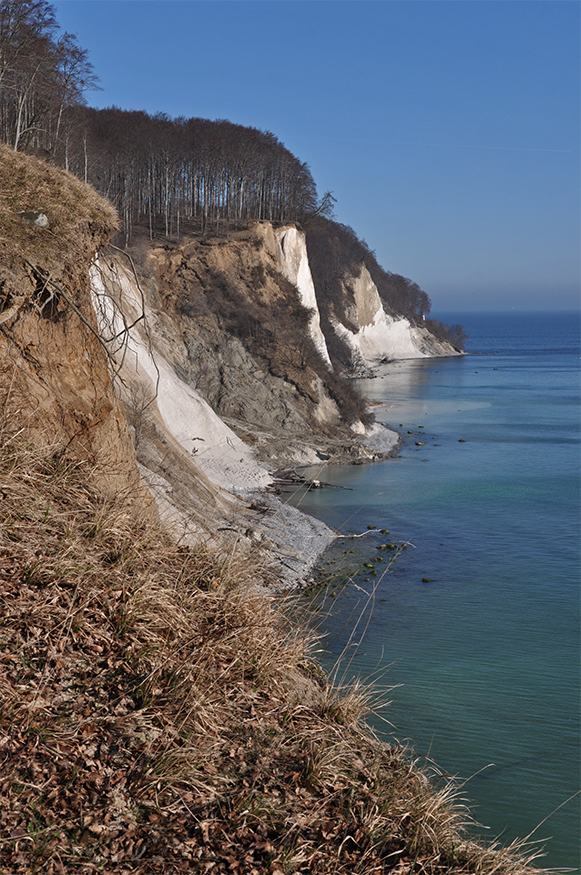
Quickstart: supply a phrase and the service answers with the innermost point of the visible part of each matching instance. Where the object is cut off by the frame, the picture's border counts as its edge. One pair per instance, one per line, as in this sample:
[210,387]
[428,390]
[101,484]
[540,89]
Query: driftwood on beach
[290,477]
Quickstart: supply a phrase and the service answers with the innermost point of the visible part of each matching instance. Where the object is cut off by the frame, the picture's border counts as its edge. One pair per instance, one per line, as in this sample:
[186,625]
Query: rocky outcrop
[214,347]
[68,354]
[207,482]
[294,265]
[214,410]
[235,330]
[232,357]
[368,314]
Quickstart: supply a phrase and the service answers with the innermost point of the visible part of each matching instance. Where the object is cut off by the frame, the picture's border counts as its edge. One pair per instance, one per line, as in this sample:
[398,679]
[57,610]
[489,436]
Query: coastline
[298,539]
[214,479]
[160,714]
[481,630]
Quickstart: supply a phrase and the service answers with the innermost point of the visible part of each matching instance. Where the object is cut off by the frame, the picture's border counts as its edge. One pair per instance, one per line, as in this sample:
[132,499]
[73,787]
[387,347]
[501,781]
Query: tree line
[156,170]
[43,76]
[165,172]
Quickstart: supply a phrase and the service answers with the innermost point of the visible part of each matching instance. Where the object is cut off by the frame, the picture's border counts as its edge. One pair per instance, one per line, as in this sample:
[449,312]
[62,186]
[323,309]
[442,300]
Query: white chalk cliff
[379,336]
[215,401]
[199,472]
[145,355]
[293,263]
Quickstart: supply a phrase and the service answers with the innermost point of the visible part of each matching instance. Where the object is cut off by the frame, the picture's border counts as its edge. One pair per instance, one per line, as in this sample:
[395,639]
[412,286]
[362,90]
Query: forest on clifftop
[171,176]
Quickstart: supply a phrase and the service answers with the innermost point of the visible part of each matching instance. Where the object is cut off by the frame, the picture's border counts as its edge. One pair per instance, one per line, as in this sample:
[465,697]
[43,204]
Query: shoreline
[301,539]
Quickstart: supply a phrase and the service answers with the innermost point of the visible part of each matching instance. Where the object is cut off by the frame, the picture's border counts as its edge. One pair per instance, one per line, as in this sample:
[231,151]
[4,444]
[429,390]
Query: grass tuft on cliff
[159,715]
[75,212]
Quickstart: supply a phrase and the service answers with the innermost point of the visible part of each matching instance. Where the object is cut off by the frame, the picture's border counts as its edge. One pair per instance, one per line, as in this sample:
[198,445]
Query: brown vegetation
[159,715]
[79,221]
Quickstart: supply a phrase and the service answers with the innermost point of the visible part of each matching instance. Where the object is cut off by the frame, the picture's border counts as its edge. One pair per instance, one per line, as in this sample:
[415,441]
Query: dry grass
[77,215]
[159,715]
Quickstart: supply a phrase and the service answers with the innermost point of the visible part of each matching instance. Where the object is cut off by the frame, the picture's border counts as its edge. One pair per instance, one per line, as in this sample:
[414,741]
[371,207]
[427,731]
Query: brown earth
[54,378]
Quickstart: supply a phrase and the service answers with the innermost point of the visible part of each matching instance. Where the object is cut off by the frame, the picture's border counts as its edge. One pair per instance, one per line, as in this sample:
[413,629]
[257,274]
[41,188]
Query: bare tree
[41,76]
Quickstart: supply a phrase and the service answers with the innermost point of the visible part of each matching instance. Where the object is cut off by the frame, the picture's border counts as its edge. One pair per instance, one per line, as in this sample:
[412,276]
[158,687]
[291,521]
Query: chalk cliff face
[294,265]
[215,348]
[81,386]
[204,478]
[237,322]
[232,356]
[373,335]
[148,354]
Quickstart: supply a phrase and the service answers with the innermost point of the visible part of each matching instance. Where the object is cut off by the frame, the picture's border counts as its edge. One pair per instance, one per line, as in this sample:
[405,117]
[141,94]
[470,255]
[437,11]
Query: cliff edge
[55,384]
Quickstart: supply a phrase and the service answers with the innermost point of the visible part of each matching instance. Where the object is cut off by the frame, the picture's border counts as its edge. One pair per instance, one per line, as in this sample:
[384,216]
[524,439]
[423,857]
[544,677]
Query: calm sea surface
[476,623]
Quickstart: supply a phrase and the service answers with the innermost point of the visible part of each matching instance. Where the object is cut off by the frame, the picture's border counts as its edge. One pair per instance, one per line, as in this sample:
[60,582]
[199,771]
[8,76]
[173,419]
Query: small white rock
[38,219]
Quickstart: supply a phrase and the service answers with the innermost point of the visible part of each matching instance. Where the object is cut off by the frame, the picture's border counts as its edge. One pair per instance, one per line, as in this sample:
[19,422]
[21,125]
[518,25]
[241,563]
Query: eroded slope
[55,384]
[235,330]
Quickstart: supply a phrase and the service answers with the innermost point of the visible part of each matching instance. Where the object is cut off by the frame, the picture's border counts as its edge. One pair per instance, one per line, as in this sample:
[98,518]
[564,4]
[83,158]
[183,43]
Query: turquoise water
[476,623]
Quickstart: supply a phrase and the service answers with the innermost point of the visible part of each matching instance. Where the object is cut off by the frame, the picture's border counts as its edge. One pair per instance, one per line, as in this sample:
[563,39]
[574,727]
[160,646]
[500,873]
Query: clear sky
[447,130]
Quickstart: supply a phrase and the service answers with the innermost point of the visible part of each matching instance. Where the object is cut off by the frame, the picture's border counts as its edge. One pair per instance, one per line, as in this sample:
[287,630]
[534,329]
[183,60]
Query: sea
[459,597]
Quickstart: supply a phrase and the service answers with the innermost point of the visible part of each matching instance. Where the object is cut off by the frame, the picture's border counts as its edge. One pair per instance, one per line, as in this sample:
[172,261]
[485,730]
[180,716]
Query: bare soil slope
[54,379]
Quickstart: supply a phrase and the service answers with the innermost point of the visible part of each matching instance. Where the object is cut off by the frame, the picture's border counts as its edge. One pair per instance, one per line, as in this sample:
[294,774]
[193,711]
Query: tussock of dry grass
[74,210]
[159,716]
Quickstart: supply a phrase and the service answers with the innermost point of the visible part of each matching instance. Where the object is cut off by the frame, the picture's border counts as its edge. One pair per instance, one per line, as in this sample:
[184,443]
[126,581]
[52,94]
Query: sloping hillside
[158,714]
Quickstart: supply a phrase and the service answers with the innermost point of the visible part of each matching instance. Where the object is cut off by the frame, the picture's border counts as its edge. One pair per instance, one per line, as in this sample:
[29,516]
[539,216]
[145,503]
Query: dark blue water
[477,620]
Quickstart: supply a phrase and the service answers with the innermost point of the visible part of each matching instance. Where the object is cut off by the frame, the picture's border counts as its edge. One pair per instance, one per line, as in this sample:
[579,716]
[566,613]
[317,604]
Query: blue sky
[447,130]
